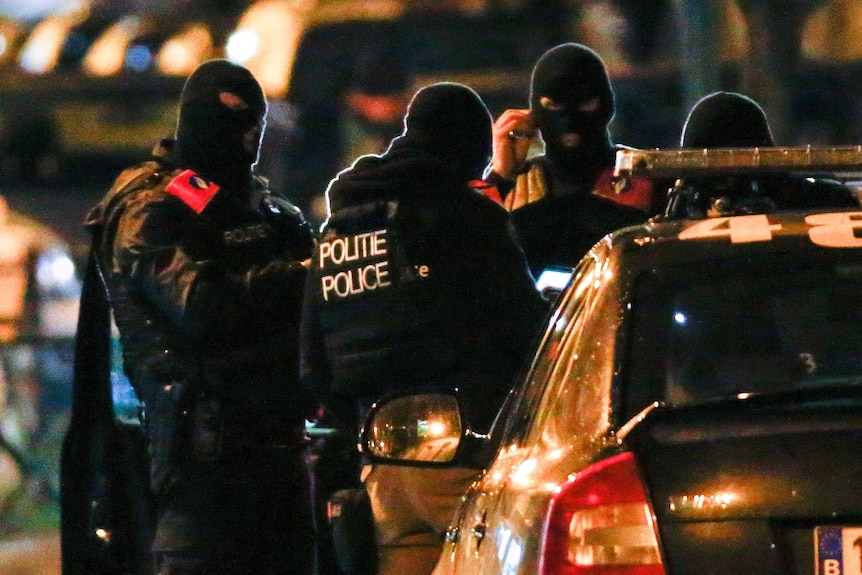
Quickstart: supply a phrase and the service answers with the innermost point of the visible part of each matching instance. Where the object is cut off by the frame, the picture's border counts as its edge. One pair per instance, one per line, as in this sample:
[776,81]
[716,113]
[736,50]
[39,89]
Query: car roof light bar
[679,163]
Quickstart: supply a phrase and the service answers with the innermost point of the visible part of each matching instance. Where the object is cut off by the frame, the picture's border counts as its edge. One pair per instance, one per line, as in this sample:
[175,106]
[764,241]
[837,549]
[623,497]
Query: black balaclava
[451,122]
[221,122]
[726,120]
[573,76]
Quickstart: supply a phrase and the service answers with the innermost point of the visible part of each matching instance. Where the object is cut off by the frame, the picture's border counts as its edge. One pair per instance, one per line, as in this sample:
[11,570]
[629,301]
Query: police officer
[203,266]
[418,281]
[564,199]
[734,120]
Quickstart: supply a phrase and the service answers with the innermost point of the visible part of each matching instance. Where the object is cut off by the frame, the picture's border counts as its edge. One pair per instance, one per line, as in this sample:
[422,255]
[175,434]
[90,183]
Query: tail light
[600,522]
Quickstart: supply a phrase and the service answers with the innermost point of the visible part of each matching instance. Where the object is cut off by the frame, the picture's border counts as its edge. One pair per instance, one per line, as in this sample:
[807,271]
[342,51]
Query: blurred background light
[139,58]
[265,42]
[42,48]
[108,53]
[242,45]
[182,53]
[33,9]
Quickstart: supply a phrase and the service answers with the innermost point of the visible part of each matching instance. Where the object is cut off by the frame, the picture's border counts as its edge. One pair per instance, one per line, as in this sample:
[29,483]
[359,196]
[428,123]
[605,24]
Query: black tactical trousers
[249,515]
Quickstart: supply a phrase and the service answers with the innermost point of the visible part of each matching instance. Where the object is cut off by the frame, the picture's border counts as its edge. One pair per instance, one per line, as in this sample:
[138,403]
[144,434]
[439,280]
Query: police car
[694,406]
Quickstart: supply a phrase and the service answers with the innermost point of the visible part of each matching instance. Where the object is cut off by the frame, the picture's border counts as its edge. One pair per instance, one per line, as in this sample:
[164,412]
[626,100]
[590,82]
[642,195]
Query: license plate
[838,550]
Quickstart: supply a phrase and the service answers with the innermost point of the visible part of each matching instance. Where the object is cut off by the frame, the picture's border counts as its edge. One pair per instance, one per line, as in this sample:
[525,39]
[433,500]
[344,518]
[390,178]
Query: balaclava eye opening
[726,120]
[221,122]
[451,122]
[574,77]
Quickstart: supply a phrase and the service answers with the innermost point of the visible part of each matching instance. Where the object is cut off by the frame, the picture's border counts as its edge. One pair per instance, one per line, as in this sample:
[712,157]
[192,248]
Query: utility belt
[187,420]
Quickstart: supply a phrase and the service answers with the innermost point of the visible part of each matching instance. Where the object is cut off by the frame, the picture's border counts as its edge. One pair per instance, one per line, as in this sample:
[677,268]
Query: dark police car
[694,407]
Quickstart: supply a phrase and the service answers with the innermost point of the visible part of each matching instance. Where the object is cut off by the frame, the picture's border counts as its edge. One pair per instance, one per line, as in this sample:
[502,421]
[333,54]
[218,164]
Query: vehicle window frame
[575,407]
[644,393]
[565,322]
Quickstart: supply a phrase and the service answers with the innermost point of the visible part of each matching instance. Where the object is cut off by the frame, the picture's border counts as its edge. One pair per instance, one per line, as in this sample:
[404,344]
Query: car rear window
[732,328]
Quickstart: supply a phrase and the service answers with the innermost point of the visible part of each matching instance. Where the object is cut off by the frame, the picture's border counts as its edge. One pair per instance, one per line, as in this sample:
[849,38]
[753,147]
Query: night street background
[66,134]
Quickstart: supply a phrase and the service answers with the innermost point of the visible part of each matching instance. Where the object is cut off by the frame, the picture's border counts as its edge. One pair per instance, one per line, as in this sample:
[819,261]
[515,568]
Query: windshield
[738,327]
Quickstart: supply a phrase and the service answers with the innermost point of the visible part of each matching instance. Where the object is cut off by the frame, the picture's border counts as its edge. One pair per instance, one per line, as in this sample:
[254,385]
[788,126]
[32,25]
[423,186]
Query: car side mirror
[423,427]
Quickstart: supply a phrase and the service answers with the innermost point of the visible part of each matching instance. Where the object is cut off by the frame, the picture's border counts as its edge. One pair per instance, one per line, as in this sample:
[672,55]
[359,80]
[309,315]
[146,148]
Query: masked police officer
[734,120]
[418,281]
[203,266]
[564,199]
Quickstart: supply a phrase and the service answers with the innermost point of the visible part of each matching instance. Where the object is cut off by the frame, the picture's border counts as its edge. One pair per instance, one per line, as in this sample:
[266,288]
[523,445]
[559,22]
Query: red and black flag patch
[195,191]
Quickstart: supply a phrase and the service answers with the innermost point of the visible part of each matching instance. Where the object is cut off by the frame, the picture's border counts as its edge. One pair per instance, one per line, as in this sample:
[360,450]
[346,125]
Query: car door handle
[478,531]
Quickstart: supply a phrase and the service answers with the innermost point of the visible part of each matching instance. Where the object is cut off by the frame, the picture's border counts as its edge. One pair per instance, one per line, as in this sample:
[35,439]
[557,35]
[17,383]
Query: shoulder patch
[634,192]
[195,191]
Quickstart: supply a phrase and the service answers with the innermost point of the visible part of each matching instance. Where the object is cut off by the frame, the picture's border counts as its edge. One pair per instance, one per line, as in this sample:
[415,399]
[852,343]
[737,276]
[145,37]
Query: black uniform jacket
[205,284]
[560,228]
[417,280]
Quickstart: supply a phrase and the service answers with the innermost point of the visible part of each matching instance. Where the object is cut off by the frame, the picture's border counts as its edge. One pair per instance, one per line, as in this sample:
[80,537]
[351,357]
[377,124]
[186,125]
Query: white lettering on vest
[354,281]
[340,251]
[246,234]
[364,265]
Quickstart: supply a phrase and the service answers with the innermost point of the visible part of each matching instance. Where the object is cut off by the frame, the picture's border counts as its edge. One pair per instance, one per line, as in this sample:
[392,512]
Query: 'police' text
[367,257]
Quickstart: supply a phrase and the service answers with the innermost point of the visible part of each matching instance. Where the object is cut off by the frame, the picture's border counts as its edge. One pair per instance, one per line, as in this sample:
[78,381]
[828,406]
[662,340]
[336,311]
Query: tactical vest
[369,291]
